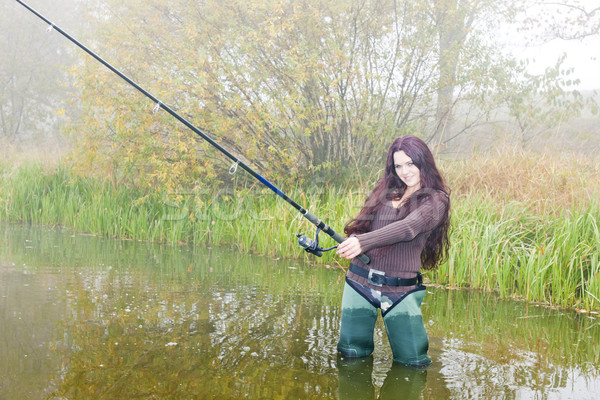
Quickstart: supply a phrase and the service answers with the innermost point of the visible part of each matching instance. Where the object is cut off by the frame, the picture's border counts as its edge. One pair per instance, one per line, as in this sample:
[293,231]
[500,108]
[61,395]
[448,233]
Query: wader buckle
[376,278]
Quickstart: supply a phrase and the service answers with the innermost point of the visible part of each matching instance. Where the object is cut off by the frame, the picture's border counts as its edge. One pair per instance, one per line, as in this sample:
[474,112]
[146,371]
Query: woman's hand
[349,248]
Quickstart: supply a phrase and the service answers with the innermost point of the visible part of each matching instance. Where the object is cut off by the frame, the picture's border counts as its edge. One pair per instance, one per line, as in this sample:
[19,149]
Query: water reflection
[355,381]
[84,317]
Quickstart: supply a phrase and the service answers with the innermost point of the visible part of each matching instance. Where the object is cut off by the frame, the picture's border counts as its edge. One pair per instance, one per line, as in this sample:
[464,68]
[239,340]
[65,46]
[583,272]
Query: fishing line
[309,245]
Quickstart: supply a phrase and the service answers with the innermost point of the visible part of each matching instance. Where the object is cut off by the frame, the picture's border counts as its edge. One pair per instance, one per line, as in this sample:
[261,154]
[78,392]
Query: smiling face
[407,171]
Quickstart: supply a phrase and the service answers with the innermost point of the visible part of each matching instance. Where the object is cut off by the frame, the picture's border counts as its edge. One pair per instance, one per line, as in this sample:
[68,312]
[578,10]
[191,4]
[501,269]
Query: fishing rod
[308,244]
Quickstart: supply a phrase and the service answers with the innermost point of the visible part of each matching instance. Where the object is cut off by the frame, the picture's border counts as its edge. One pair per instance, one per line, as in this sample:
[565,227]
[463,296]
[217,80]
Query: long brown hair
[391,187]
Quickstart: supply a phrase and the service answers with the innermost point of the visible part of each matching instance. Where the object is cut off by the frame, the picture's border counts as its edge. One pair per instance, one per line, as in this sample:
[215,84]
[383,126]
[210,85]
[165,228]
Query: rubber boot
[357,325]
[406,331]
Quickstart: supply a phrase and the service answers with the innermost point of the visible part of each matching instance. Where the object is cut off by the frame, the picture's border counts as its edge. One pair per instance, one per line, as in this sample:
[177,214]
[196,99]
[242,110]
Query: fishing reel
[312,246]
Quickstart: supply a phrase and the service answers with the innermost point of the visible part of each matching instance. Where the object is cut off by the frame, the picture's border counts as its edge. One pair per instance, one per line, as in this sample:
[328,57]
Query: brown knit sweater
[398,237]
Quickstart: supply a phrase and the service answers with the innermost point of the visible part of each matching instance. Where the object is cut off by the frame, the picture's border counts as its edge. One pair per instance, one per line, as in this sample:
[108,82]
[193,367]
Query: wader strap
[378,278]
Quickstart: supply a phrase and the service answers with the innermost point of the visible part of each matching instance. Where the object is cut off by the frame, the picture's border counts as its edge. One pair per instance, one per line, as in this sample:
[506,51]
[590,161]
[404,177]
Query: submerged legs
[406,331]
[358,322]
[403,323]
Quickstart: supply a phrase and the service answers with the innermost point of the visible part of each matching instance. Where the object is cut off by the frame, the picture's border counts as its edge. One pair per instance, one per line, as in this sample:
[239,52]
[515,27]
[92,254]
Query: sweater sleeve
[424,218]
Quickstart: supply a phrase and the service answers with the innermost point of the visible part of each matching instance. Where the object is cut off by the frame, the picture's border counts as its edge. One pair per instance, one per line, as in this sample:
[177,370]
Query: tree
[542,104]
[327,77]
[454,21]
[479,79]
[294,87]
[299,89]
[575,19]
[33,80]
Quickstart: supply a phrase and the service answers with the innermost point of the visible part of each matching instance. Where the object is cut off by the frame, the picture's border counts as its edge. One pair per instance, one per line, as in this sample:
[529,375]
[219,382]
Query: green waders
[358,323]
[403,323]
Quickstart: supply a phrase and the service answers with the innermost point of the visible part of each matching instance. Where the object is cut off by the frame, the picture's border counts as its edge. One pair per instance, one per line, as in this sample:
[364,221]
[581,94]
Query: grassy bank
[520,232]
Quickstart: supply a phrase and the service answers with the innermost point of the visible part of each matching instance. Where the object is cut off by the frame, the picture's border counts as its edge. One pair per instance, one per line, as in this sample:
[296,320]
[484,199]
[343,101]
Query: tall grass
[552,259]
[526,225]
[252,219]
[541,249]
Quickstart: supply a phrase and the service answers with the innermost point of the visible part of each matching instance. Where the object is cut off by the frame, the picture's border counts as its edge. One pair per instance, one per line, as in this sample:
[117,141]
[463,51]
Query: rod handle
[334,235]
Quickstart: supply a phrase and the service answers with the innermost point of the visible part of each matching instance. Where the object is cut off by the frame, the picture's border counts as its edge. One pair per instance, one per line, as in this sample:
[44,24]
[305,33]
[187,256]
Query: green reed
[551,258]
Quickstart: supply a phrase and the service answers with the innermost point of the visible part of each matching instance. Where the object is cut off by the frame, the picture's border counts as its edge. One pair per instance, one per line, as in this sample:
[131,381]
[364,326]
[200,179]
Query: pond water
[83,317]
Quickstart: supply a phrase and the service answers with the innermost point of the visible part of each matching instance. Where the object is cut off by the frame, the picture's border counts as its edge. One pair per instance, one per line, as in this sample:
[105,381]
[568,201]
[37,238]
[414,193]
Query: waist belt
[378,278]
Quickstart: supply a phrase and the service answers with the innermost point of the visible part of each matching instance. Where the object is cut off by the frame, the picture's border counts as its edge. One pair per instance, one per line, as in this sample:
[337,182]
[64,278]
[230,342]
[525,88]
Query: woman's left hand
[349,248]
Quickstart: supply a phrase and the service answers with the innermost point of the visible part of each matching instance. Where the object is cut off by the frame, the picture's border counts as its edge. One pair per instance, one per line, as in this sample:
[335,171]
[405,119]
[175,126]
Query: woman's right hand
[349,248]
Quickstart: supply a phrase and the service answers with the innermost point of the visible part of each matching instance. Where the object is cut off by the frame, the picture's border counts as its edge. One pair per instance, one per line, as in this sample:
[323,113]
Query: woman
[402,227]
